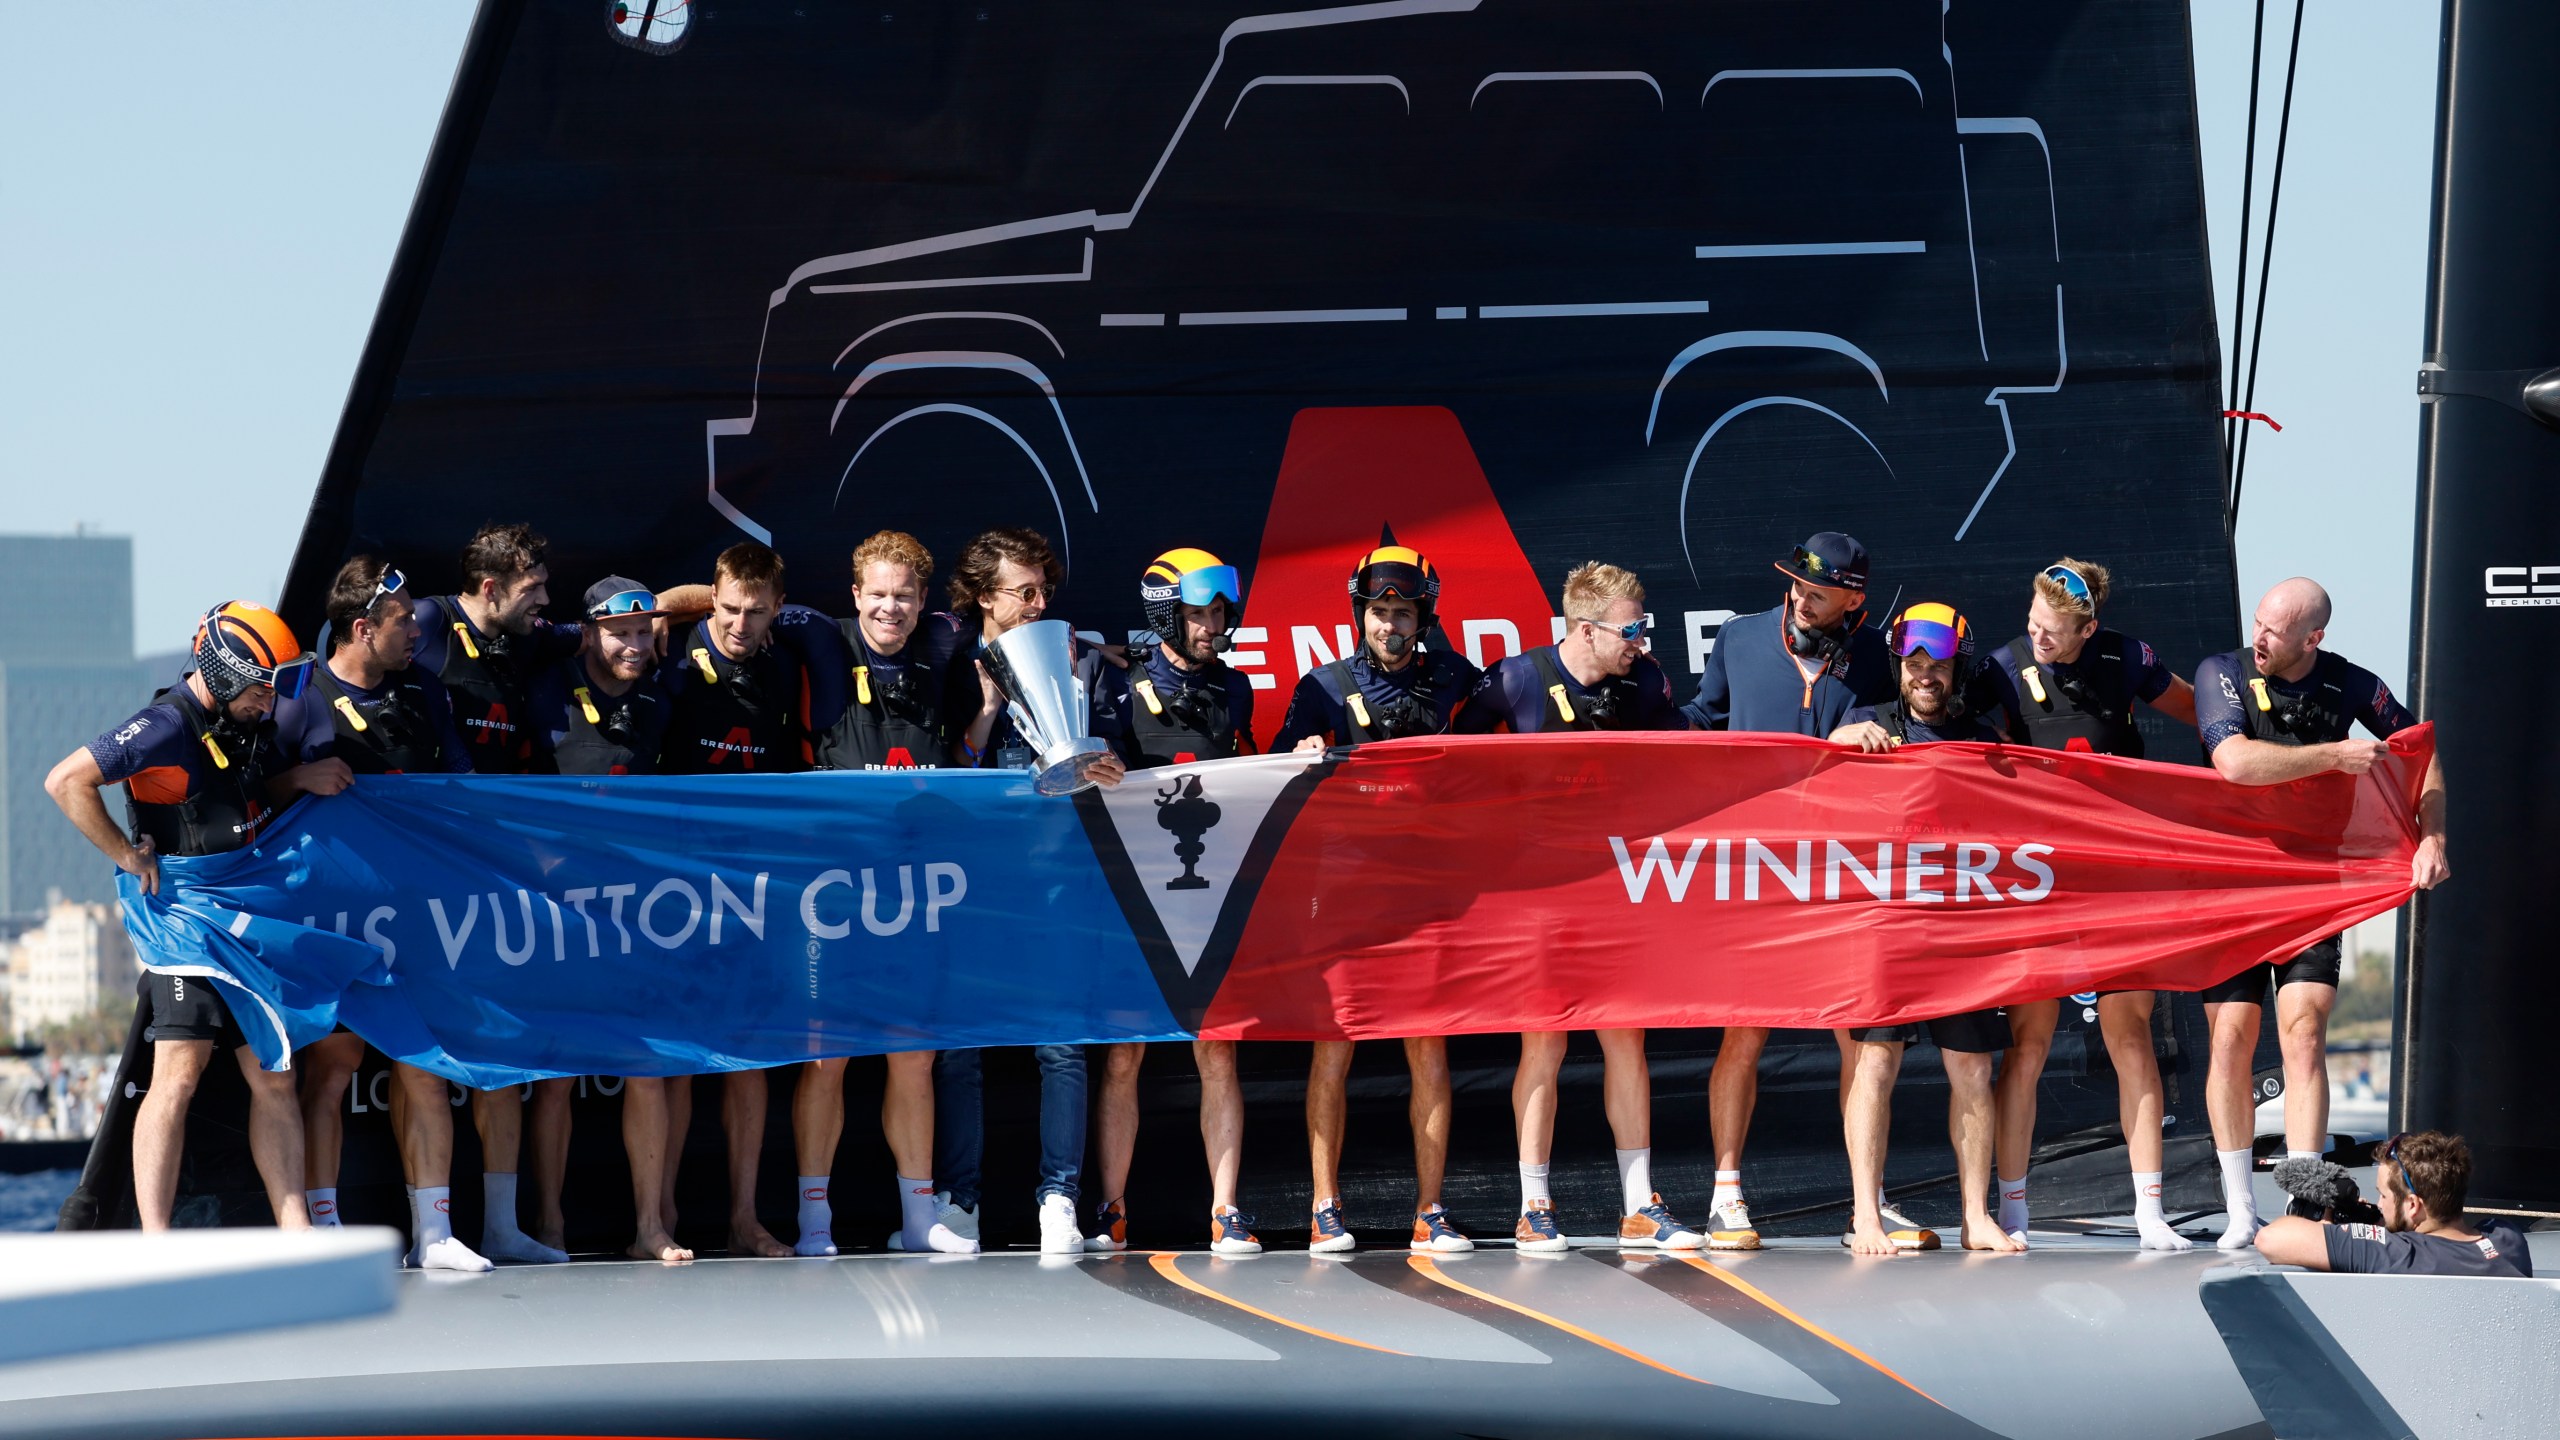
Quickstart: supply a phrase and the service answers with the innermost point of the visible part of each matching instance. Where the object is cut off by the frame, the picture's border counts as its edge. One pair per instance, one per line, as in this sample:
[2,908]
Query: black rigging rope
[2266,261]
[2240,270]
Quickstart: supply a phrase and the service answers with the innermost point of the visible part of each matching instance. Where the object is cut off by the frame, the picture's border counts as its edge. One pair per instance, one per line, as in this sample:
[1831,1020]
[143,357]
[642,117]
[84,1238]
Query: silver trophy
[1035,666]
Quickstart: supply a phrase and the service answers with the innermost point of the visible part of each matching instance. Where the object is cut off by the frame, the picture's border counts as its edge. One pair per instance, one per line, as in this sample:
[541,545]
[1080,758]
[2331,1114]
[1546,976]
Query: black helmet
[1188,577]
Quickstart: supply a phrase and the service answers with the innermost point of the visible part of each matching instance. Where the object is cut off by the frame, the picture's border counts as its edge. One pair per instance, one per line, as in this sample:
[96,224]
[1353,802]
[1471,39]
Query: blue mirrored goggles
[1212,582]
[624,602]
[1631,632]
[2072,582]
[391,583]
[1935,639]
[292,678]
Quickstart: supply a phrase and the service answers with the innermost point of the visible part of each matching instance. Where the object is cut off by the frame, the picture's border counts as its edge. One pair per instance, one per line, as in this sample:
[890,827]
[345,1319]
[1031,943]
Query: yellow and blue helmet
[1187,576]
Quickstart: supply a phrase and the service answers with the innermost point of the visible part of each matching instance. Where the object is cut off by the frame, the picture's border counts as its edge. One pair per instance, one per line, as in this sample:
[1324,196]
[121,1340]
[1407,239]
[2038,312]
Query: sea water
[30,1201]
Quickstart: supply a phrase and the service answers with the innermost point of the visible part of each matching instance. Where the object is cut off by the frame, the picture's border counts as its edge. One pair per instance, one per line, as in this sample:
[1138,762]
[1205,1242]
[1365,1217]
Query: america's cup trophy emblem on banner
[1035,667]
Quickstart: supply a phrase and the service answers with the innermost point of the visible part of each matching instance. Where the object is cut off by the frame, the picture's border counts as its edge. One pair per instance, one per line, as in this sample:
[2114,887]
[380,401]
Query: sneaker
[1326,1234]
[1058,1232]
[1432,1232]
[1537,1232]
[1110,1228]
[1655,1228]
[1905,1232]
[962,1224]
[1231,1233]
[1729,1227]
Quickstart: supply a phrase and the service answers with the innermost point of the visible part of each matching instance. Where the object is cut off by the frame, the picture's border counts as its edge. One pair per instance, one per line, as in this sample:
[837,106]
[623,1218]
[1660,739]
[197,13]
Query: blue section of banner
[539,926]
[282,981]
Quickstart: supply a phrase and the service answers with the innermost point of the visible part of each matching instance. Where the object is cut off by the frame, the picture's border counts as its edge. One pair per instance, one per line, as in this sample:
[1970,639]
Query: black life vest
[886,726]
[484,676]
[1176,726]
[2090,711]
[2317,716]
[392,736]
[611,734]
[733,716]
[222,813]
[1420,711]
[1608,706]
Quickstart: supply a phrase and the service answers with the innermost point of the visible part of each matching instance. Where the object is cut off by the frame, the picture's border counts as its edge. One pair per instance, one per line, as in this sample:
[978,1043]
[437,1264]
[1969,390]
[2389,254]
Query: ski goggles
[292,678]
[2073,583]
[1631,632]
[624,602]
[1936,631]
[1209,582]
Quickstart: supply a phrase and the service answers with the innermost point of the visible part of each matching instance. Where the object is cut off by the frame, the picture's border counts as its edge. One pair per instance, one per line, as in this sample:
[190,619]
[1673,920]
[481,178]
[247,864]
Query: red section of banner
[1450,886]
[1345,473]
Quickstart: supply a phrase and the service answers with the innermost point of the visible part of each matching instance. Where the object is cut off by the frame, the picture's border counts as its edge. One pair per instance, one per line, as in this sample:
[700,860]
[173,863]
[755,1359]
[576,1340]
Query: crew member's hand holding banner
[498,929]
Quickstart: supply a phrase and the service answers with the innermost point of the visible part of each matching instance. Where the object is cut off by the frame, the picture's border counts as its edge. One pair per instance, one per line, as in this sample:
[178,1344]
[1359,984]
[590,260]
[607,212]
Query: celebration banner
[500,929]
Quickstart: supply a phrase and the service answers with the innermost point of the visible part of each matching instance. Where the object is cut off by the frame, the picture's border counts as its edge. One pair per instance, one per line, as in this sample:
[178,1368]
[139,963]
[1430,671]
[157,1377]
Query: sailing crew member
[486,644]
[1798,668]
[2420,1183]
[1598,677]
[878,691]
[2278,710]
[737,703]
[1005,579]
[1178,702]
[195,764]
[602,712]
[2071,684]
[1396,684]
[1933,649]
[369,707]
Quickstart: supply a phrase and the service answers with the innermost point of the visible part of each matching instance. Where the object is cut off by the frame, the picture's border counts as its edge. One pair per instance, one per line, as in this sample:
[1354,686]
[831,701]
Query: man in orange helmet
[195,764]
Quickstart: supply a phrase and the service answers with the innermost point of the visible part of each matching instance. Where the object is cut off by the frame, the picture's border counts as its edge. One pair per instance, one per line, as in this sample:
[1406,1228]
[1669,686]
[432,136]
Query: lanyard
[1807,676]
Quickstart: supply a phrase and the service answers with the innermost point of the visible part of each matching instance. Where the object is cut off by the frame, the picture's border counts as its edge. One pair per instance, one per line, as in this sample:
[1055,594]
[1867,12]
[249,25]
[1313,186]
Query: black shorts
[2317,965]
[188,1007]
[1975,1032]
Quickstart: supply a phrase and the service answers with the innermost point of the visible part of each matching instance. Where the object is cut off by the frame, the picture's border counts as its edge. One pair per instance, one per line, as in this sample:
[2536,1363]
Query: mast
[2485,617]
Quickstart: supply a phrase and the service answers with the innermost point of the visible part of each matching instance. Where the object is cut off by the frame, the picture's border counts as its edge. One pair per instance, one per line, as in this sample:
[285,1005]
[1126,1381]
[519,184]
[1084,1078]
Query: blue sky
[195,222]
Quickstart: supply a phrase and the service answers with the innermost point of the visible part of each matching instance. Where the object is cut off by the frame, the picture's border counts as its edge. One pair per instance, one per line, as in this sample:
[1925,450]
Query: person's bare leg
[546,1159]
[275,1140]
[1867,1119]
[2124,1021]
[906,1113]
[2302,1031]
[679,1090]
[2021,1068]
[160,1126]
[742,1111]
[499,1117]
[328,1066]
[1116,1119]
[1848,1064]
[1533,1093]
[1973,1122]
[400,1126]
[426,1126]
[498,1114]
[1427,1057]
[1328,1081]
[2230,1104]
[1733,1089]
[817,1116]
[1221,1119]
[644,1140]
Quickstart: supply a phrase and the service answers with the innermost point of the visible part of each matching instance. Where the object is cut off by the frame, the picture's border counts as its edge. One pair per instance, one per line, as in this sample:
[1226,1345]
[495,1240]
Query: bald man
[2280,710]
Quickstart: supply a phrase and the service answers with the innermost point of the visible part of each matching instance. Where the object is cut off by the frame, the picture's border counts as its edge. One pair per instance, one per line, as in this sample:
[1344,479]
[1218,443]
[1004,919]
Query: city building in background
[67,671]
[67,965]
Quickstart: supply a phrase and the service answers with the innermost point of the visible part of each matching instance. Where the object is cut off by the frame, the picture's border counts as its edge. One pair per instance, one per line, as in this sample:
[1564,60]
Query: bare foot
[658,1245]
[1867,1237]
[1981,1232]
[747,1237]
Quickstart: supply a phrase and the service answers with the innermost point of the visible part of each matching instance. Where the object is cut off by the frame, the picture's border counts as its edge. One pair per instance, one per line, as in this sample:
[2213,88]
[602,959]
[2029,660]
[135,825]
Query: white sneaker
[962,1224]
[1058,1232]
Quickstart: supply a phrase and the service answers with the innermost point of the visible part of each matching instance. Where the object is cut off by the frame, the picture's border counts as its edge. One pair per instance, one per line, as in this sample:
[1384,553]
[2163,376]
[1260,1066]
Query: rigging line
[2240,268]
[2266,260]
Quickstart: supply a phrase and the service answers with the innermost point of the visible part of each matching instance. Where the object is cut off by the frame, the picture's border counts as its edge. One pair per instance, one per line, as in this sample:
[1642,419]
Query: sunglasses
[391,583]
[1810,563]
[2073,583]
[1030,594]
[626,602]
[1631,632]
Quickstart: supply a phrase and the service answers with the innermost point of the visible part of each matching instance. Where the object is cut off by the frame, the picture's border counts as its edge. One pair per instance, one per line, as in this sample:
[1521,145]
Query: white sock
[917,1208]
[2293,1154]
[1728,1189]
[817,1219]
[2149,1218]
[431,1221]
[1635,1179]
[2013,1204]
[501,1238]
[323,1205]
[2239,1199]
[1533,1186]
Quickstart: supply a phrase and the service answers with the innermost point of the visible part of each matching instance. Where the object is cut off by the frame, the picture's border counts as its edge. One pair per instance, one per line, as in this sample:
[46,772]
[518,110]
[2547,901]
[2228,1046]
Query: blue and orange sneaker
[1326,1234]
[1537,1233]
[1433,1233]
[1110,1227]
[1231,1233]
[1655,1228]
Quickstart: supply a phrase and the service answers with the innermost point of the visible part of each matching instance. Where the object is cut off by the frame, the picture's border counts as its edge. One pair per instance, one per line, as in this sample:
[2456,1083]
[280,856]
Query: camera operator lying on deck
[2420,1182]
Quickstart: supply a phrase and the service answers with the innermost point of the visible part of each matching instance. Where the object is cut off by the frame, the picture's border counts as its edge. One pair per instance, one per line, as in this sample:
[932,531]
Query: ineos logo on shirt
[2514,587]
[140,724]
